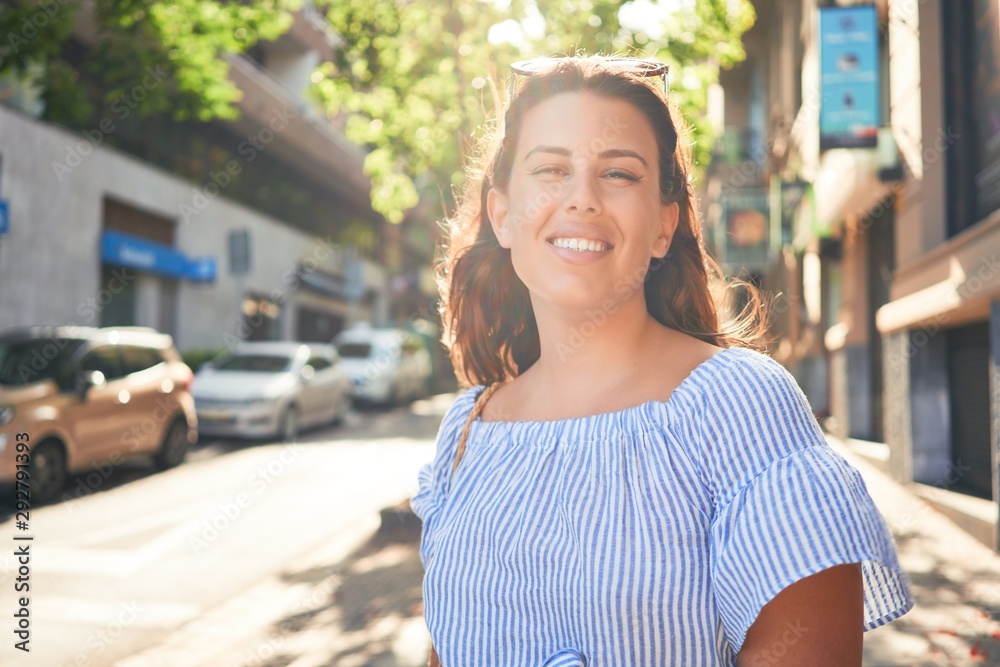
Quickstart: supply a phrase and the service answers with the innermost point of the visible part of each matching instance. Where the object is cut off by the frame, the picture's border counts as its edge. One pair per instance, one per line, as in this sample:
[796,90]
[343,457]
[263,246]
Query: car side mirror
[308,373]
[85,380]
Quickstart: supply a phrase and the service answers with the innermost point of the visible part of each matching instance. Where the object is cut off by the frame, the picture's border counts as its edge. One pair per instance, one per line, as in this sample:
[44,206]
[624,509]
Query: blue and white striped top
[648,536]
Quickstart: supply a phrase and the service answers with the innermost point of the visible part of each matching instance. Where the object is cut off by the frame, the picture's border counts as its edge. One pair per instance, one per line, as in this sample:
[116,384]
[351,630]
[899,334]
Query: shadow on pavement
[371,610]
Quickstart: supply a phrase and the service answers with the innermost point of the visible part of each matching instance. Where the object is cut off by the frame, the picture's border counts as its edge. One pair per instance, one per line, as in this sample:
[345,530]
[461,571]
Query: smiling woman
[630,480]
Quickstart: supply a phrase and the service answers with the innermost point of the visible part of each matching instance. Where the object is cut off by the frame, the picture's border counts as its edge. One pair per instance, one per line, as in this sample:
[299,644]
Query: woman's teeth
[580,244]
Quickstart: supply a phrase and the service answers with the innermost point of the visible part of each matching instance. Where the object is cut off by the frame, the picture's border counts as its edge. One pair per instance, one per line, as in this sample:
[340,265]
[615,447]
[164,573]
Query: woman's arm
[817,621]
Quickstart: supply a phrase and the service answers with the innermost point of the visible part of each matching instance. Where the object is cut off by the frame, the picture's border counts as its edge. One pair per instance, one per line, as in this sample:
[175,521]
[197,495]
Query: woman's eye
[548,170]
[618,173]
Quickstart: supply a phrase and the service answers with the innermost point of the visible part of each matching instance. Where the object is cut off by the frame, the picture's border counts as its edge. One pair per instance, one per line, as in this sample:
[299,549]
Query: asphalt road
[174,568]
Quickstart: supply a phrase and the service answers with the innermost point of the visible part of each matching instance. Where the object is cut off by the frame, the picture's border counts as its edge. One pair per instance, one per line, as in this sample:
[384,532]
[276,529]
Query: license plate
[216,416]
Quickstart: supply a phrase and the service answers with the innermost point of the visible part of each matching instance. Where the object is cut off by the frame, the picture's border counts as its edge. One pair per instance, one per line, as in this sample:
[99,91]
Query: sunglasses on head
[635,66]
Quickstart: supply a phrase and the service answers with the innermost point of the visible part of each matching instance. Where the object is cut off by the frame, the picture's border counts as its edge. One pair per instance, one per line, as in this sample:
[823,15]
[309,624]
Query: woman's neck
[599,348]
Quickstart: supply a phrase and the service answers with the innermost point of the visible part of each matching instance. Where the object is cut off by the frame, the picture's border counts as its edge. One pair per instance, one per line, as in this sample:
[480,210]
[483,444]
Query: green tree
[417,79]
[174,46]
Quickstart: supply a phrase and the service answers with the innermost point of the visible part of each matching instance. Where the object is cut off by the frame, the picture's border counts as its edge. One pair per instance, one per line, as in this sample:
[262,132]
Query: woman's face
[582,215]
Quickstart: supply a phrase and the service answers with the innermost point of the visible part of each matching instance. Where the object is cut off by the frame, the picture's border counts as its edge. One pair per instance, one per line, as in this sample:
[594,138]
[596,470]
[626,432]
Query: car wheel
[48,471]
[288,430]
[174,448]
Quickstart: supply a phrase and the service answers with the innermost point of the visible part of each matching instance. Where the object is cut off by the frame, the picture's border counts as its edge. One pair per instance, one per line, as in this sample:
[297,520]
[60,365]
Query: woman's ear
[669,217]
[496,208]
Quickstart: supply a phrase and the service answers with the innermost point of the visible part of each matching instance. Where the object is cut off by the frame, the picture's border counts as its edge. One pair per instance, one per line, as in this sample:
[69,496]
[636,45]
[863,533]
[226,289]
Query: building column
[147,302]
[897,419]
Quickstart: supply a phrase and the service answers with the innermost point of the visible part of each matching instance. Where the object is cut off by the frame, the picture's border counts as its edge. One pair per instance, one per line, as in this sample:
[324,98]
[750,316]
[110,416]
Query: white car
[271,389]
[386,365]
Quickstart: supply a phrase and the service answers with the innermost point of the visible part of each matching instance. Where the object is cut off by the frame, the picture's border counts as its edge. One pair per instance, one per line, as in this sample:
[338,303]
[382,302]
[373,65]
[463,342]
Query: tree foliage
[177,41]
[414,80]
[417,78]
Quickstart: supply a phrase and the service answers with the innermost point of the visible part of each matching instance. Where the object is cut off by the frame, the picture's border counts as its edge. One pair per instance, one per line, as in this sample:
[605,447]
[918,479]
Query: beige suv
[86,398]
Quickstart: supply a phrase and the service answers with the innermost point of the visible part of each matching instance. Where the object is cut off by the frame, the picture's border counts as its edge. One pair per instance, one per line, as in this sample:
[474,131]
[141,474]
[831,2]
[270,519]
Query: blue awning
[137,253]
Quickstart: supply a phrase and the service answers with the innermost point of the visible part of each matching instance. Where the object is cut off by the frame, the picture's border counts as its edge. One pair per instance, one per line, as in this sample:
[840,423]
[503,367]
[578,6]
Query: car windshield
[32,360]
[255,363]
[354,350]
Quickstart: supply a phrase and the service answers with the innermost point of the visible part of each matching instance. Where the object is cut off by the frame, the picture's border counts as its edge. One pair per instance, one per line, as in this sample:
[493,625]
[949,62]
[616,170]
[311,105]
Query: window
[33,360]
[971,35]
[140,358]
[106,359]
[354,350]
[255,363]
[319,363]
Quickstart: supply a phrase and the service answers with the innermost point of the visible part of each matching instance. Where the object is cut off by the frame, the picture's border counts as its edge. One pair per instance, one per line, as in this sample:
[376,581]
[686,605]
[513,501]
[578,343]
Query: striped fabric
[648,536]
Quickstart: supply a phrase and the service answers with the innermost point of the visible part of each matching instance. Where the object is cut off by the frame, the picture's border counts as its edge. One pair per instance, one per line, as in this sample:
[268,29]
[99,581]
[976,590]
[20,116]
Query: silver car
[271,389]
[387,366]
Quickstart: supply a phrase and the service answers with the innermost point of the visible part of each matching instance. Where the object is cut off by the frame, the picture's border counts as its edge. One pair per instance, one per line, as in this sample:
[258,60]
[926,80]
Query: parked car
[386,365]
[88,398]
[271,389]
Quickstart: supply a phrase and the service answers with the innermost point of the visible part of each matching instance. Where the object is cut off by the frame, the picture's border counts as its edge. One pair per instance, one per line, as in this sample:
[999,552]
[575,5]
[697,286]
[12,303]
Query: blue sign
[125,250]
[850,98]
[4,218]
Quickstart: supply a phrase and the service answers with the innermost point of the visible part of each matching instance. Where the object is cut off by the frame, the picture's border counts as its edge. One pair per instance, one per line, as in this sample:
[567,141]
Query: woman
[627,482]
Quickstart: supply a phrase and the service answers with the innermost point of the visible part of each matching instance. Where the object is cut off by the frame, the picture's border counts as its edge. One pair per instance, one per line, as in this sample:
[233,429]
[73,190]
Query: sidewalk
[366,609]
[955,579]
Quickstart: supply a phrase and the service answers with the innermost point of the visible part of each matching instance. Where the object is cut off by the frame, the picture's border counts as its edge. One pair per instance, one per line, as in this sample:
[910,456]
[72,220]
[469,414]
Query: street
[270,555]
[180,567]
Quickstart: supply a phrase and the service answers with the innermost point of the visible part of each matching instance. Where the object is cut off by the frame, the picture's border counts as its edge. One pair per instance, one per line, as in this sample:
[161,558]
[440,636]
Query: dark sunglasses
[630,65]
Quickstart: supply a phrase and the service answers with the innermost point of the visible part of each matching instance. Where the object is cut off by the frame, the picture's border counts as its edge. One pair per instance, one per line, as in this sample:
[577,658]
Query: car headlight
[6,414]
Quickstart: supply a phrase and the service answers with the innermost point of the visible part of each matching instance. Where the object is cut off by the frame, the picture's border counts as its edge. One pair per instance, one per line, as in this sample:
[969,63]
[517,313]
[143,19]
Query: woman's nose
[583,196]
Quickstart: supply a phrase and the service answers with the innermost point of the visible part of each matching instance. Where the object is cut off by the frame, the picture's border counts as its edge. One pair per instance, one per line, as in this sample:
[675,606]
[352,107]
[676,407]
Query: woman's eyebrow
[548,149]
[610,153]
[621,152]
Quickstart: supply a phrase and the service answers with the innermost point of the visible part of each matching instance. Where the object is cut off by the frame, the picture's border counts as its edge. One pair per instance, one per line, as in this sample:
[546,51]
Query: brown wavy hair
[488,324]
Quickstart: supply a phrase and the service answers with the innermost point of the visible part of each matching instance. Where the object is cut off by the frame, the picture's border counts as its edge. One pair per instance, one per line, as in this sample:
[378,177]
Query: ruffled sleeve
[786,505]
[434,479]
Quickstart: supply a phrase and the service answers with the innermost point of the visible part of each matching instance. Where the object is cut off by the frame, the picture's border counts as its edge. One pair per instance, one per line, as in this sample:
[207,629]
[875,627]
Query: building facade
[259,228]
[882,240]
